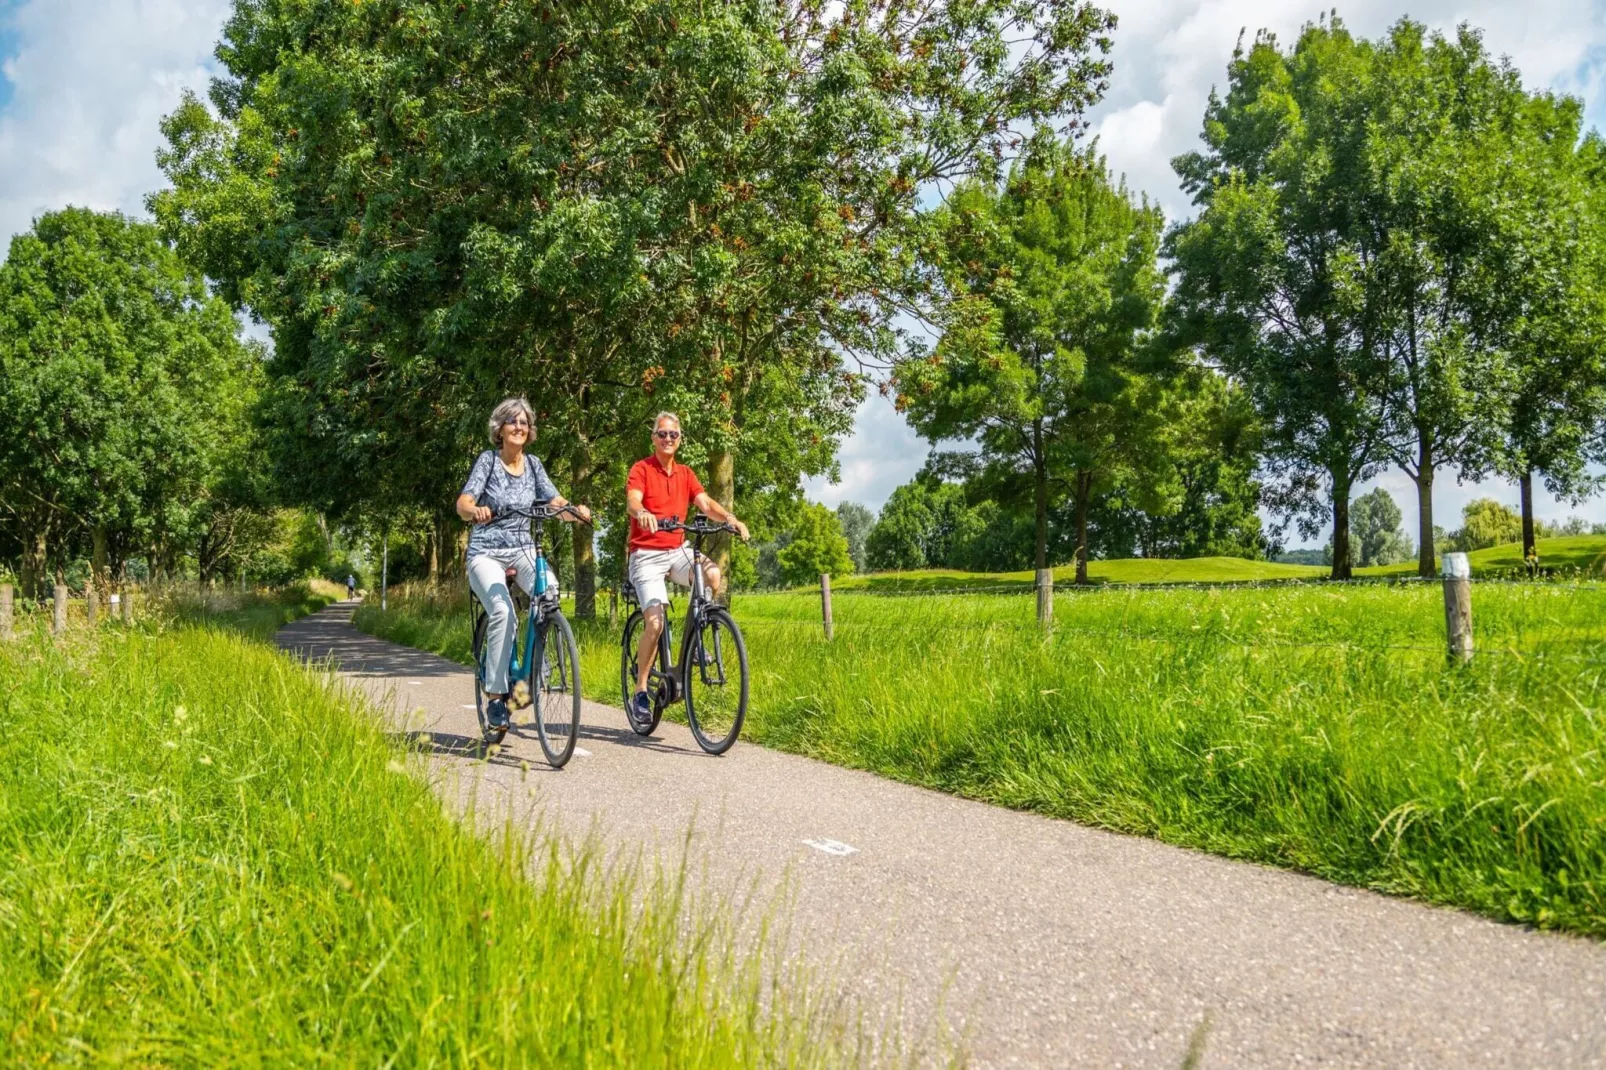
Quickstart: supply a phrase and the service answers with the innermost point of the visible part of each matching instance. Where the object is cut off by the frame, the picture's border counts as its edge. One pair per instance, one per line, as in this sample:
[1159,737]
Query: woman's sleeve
[478,476]
[545,489]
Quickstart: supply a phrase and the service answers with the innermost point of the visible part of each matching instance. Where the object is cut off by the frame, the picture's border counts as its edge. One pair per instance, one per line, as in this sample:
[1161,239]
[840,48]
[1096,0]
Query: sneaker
[641,711]
[496,713]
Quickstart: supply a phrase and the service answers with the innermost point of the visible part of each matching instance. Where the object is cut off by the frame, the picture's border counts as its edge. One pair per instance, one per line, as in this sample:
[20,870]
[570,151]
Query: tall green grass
[1312,727]
[208,857]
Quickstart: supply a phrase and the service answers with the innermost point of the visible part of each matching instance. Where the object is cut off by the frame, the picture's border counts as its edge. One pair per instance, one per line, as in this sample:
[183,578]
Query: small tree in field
[1375,529]
[817,546]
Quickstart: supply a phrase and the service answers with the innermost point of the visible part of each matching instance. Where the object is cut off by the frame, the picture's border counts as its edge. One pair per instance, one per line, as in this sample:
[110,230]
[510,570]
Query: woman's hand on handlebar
[580,512]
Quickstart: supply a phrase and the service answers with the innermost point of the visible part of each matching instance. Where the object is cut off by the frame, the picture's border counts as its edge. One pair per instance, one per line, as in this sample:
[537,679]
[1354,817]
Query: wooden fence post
[1458,607]
[5,612]
[59,622]
[384,575]
[825,604]
[91,603]
[1045,597]
[128,605]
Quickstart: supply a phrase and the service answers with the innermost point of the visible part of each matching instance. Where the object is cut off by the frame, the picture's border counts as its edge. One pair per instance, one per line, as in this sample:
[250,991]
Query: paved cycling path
[1042,943]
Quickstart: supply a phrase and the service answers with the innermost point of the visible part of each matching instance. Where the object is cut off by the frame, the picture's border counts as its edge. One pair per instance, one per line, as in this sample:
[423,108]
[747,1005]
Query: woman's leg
[487,577]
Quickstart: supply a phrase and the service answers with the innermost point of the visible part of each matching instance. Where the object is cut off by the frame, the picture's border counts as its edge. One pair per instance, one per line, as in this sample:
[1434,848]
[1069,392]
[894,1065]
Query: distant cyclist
[504,480]
[351,586]
[659,487]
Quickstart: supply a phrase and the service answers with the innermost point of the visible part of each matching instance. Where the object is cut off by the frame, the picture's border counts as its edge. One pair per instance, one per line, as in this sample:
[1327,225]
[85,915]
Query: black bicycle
[545,668]
[712,673]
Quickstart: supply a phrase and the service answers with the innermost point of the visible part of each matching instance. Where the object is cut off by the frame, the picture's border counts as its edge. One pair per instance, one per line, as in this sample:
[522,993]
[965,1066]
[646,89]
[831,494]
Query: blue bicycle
[544,666]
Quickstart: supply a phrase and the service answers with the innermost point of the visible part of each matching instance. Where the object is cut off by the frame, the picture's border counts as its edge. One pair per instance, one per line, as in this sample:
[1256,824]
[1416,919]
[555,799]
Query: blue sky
[84,83]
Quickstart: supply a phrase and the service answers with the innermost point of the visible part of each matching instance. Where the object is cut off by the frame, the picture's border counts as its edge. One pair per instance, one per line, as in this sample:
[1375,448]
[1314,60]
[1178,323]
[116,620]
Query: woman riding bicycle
[505,480]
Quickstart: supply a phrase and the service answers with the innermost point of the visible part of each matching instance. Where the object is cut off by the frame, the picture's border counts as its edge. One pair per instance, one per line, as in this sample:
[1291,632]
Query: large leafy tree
[118,372]
[1270,281]
[434,202]
[1054,285]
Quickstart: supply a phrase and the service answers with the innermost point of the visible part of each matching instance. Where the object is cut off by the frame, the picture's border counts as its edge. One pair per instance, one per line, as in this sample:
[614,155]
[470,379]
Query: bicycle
[548,643]
[715,705]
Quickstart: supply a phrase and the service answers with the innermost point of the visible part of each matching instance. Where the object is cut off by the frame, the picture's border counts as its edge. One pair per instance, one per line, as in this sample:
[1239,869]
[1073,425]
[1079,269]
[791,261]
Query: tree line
[736,211]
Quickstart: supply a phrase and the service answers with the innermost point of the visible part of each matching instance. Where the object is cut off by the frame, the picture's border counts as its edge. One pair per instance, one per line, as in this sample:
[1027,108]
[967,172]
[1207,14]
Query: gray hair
[661,417]
[503,413]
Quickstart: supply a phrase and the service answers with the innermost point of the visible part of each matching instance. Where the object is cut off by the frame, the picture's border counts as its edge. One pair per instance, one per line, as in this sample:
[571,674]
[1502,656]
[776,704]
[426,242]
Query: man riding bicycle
[659,488]
[504,484]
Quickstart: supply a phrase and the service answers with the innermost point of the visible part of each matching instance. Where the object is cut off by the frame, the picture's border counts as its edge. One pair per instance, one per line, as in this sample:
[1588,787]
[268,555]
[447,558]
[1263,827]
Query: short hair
[661,417]
[504,412]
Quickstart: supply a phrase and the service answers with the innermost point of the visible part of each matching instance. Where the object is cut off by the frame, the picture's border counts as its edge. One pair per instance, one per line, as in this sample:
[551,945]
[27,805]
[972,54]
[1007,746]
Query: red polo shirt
[663,493]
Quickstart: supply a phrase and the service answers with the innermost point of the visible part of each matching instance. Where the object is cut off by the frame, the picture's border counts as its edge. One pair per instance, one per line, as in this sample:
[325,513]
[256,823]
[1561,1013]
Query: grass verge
[1315,728]
[207,857]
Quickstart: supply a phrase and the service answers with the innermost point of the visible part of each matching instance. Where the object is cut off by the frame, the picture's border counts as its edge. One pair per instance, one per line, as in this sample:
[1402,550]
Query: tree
[856,521]
[817,546]
[118,374]
[916,526]
[1484,523]
[1375,529]
[1054,282]
[1270,276]
[711,204]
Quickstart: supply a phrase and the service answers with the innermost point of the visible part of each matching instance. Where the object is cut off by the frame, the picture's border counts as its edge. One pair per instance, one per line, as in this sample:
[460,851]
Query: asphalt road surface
[1035,942]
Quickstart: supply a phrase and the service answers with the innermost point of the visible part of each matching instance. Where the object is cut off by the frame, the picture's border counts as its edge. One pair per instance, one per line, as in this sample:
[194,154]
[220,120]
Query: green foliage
[1053,282]
[124,383]
[1485,523]
[817,546]
[1375,523]
[249,870]
[857,522]
[916,526]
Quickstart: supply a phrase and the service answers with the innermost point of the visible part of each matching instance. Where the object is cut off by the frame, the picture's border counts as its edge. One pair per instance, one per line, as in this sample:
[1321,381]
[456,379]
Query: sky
[84,84]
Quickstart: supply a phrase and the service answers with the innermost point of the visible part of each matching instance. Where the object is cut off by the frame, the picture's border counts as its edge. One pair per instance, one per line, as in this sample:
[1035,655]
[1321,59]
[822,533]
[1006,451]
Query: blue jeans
[487,578]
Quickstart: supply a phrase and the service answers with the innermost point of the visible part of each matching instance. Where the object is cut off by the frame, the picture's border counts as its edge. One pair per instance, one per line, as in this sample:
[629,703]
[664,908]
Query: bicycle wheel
[557,699]
[627,674]
[487,733]
[714,665]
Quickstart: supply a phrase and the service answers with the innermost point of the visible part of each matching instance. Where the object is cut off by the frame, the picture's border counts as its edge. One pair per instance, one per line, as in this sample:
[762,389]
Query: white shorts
[650,568]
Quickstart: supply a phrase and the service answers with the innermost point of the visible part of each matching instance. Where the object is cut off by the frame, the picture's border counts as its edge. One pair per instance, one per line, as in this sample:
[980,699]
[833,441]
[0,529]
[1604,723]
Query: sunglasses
[517,421]
[668,435]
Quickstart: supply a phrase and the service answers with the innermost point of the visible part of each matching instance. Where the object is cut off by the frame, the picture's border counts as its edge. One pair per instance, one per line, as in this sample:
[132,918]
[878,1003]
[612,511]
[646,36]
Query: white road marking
[582,752]
[416,683]
[470,706]
[832,847]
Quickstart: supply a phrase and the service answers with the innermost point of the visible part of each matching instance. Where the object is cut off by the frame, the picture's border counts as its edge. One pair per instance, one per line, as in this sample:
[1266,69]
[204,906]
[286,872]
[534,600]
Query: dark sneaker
[641,711]
[496,714]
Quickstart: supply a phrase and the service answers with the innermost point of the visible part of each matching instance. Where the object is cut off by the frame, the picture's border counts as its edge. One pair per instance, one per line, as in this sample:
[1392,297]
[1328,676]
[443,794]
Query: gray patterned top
[491,484]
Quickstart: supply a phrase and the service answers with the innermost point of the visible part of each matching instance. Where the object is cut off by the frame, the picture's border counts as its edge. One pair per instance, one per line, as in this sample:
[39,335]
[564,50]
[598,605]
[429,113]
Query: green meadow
[1315,727]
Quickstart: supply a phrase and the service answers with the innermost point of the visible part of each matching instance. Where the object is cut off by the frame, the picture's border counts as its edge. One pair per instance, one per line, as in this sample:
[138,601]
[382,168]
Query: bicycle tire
[557,698]
[487,733]
[716,705]
[627,674]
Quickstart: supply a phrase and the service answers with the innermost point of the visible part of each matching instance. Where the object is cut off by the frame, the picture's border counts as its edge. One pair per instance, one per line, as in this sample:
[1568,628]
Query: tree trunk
[35,558]
[1040,496]
[1084,492]
[446,532]
[1425,560]
[1341,555]
[1530,549]
[722,488]
[581,537]
[432,553]
[100,574]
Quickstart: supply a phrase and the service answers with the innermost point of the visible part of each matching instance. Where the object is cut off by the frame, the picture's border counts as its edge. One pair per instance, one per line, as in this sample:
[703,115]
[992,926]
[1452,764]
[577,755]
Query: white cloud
[89,83]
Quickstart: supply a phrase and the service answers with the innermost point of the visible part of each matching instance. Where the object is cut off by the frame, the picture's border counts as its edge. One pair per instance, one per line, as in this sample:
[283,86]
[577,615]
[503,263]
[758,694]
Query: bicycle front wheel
[557,699]
[714,667]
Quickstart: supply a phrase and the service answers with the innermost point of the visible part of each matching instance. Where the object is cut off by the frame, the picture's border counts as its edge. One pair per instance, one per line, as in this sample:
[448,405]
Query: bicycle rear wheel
[487,733]
[557,698]
[714,668]
[627,674]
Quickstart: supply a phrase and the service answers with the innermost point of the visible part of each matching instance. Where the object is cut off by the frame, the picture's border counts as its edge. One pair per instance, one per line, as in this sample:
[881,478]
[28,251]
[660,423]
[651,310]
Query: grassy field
[1312,727]
[1577,554]
[208,857]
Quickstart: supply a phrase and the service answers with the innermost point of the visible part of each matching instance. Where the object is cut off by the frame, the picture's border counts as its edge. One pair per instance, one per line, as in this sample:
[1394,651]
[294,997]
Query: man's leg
[652,627]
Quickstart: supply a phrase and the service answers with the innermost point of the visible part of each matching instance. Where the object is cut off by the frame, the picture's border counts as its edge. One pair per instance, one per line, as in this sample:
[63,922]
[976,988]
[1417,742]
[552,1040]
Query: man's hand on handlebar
[646,521]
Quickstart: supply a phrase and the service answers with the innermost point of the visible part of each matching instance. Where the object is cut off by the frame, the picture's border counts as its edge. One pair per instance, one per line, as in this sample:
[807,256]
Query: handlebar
[700,526]
[541,511]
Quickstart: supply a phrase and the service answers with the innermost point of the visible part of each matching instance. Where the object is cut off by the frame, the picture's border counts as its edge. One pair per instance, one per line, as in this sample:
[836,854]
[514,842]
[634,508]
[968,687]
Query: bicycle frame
[671,672]
[524,657]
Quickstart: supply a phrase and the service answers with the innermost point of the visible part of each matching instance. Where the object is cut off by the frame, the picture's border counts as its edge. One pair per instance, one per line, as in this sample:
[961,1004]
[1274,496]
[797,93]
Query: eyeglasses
[517,421]
[670,436]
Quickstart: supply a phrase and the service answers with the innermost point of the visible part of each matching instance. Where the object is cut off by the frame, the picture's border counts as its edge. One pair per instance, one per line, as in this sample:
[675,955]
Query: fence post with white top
[1458,607]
